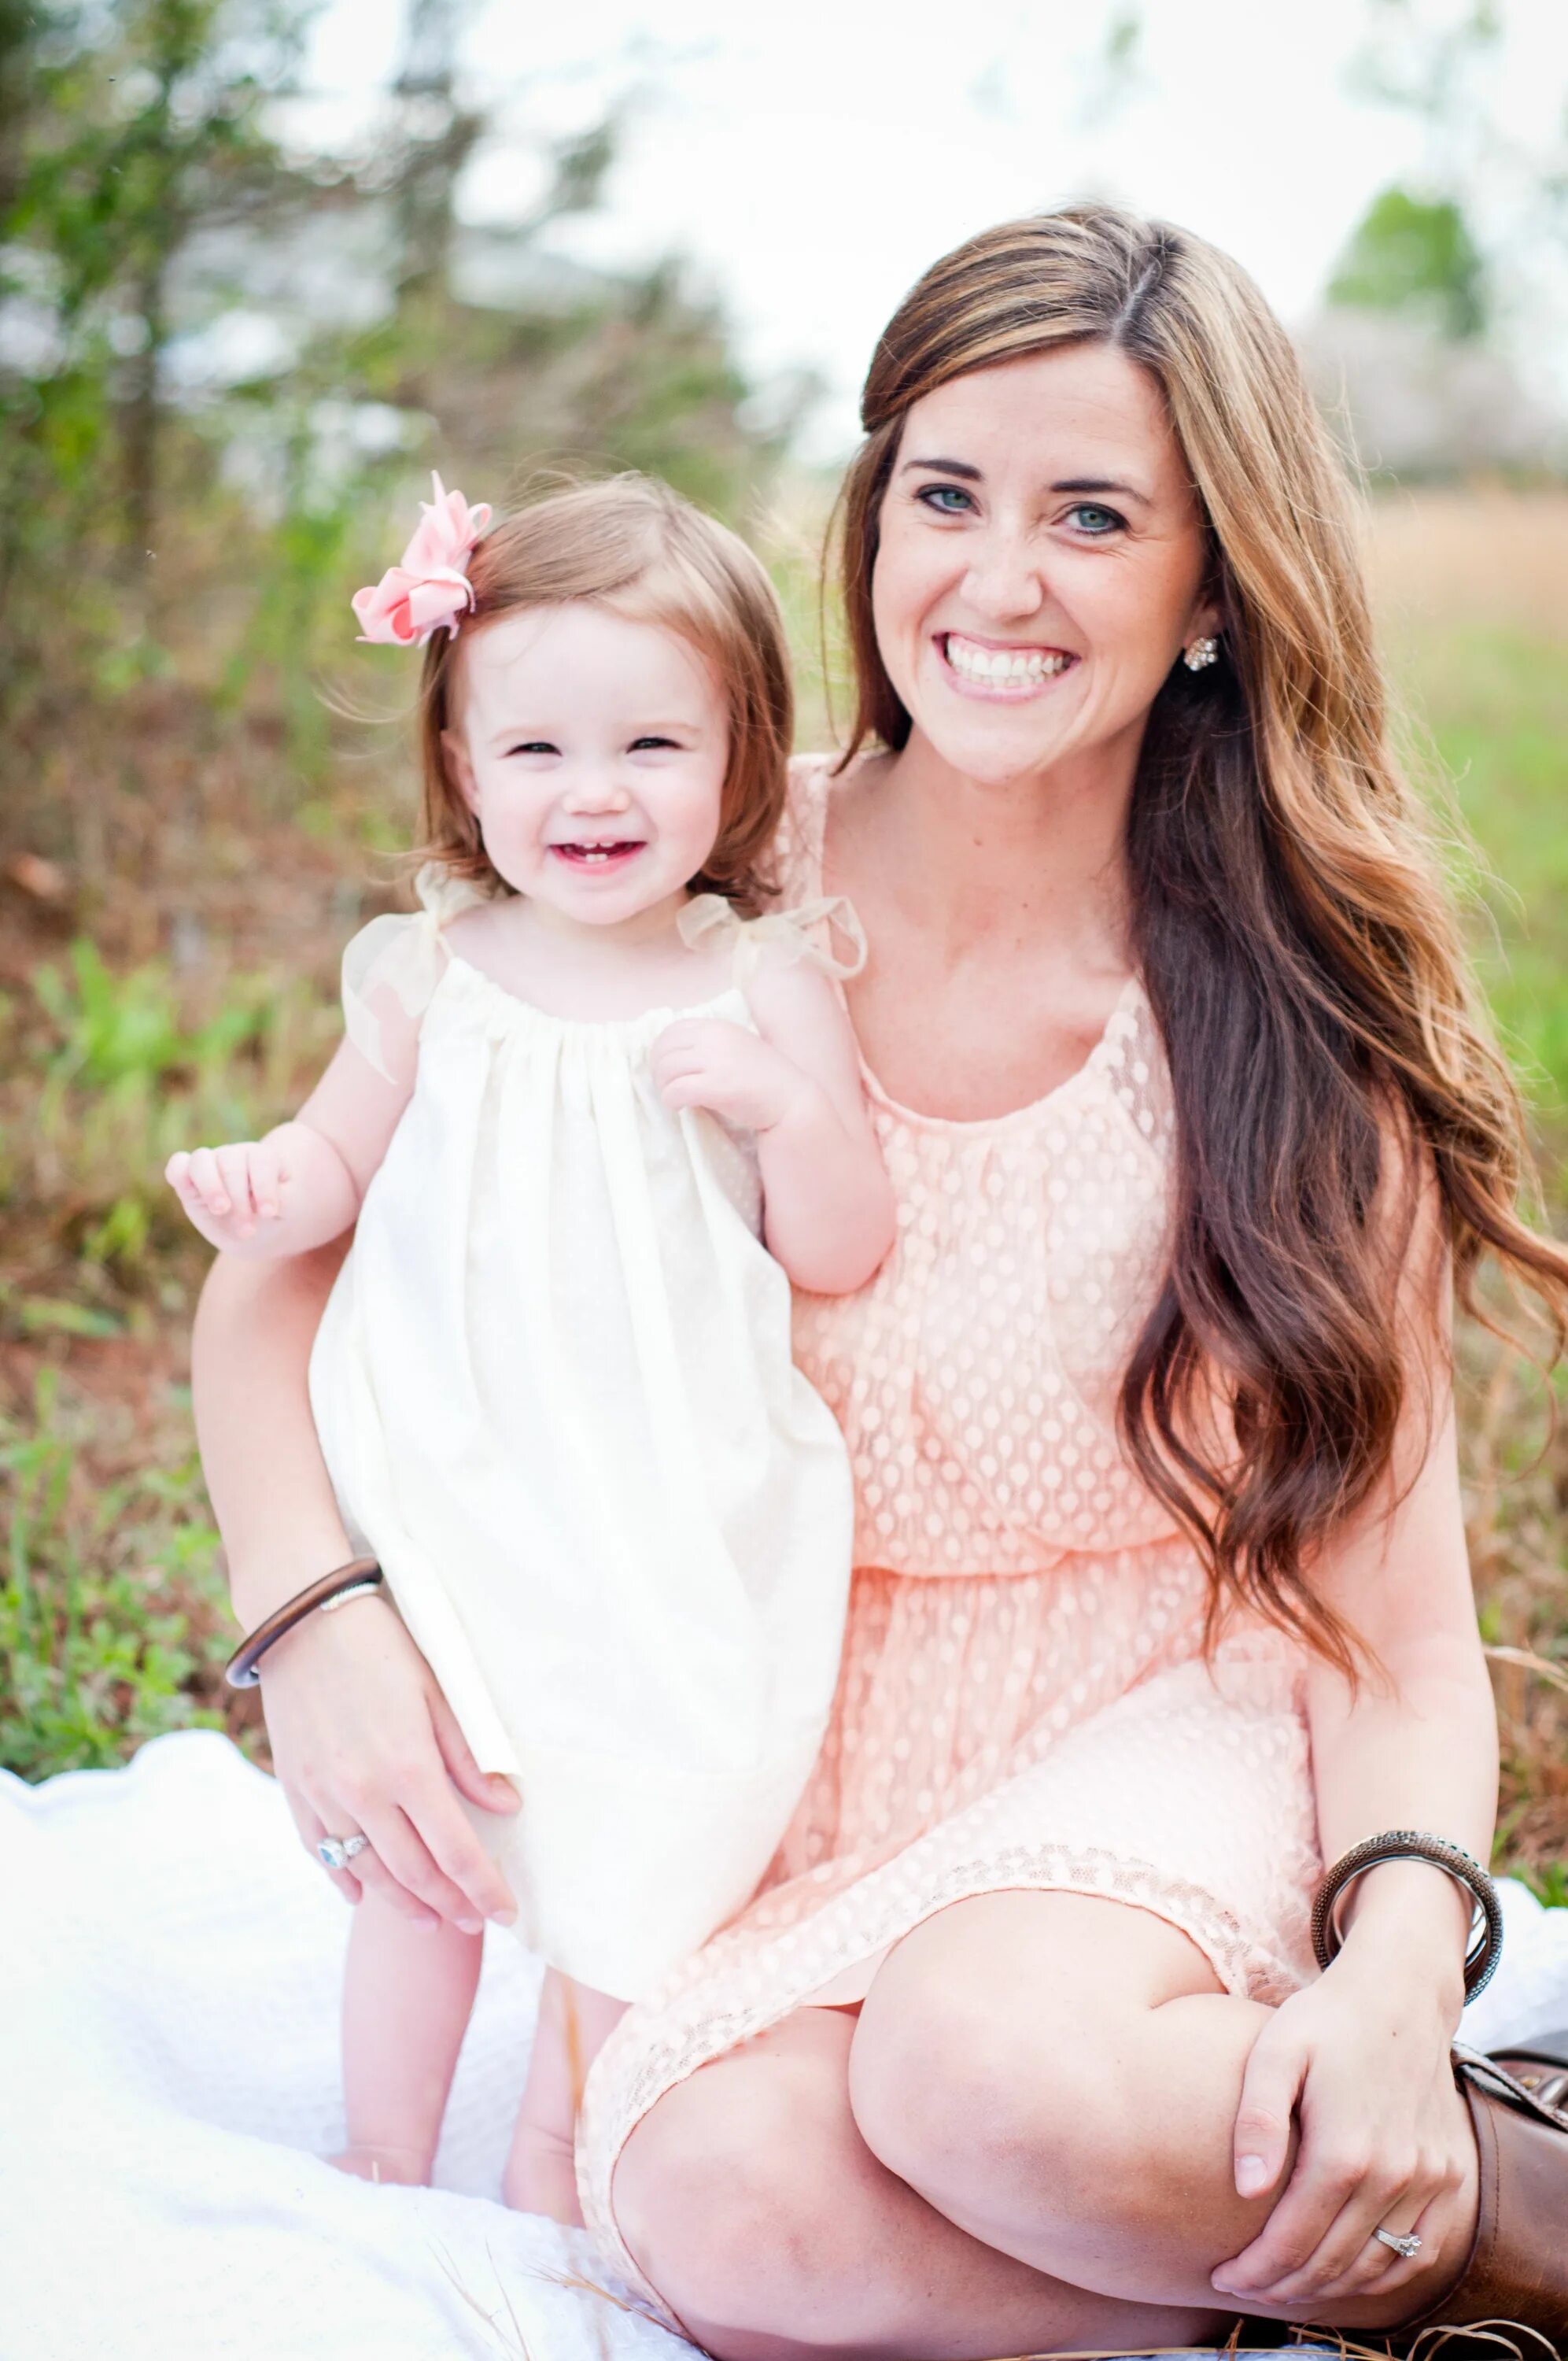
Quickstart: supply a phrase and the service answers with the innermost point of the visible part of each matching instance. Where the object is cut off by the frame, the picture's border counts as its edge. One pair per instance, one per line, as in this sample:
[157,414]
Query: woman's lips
[1009,672]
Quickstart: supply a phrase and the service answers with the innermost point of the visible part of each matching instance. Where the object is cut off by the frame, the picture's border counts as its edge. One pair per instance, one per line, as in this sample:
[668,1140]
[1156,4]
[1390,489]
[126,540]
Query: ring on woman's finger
[336,1852]
[1403,2244]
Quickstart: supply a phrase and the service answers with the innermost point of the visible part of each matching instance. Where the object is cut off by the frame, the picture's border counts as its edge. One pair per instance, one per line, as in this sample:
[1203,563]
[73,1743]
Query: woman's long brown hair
[1298,947]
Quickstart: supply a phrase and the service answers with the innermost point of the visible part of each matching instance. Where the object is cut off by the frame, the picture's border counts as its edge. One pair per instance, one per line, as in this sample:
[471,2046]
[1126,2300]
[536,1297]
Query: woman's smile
[1008,669]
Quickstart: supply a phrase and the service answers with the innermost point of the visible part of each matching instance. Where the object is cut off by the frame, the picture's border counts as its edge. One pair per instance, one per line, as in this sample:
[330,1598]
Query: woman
[1162,1596]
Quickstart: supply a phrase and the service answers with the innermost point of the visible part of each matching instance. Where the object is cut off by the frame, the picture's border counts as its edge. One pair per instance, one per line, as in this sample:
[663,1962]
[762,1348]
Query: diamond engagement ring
[1404,2246]
[336,1852]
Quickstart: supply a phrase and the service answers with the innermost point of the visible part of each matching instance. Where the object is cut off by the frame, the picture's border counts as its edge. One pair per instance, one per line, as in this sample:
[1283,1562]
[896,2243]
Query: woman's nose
[1004,581]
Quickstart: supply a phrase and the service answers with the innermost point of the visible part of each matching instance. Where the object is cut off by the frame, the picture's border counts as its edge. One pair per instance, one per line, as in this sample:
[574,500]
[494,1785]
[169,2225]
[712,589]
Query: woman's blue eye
[939,496]
[1094,520]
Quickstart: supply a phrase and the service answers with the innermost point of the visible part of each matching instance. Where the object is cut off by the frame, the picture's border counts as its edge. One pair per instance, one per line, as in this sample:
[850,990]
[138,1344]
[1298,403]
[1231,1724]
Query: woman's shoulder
[798,845]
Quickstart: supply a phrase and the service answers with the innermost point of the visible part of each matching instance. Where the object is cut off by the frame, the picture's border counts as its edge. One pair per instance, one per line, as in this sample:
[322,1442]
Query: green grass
[111,1598]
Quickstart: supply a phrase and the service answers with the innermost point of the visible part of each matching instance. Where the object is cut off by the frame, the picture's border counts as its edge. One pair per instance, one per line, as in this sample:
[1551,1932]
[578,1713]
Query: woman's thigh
[750,2201]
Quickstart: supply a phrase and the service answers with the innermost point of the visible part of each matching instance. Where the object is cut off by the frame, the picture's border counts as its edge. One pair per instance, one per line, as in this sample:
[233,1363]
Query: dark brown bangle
[334,1589]
[1485,1946]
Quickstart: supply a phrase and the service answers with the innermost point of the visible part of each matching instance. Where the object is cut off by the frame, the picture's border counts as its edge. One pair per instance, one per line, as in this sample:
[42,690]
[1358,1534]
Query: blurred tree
[1414,255]
[224,360]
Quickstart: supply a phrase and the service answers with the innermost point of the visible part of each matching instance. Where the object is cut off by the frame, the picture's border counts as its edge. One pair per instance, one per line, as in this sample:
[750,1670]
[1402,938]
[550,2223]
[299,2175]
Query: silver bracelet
[1485,1945]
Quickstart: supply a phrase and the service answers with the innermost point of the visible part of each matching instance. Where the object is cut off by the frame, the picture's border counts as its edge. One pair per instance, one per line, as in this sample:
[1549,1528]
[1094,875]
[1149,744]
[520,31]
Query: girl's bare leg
[541,2175]
[407,1990]
[1059,2076]
[753,2205]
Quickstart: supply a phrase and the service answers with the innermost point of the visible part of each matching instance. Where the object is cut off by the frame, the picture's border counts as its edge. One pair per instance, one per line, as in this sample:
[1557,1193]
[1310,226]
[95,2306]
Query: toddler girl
[596,1107]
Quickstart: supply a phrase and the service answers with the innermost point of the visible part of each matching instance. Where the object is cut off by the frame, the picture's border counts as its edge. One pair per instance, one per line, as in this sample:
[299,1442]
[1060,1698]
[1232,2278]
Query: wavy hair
[1328,1061]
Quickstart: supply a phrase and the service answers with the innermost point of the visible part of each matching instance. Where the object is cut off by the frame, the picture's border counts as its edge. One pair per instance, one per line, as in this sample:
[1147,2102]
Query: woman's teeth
[972,662]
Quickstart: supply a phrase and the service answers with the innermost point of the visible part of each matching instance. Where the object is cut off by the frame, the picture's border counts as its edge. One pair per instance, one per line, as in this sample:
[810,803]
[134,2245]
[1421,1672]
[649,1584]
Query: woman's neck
[1040,859]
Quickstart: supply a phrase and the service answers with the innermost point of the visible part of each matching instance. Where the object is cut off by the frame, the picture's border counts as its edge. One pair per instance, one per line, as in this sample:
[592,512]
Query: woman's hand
[364,1743]
[1360,2059]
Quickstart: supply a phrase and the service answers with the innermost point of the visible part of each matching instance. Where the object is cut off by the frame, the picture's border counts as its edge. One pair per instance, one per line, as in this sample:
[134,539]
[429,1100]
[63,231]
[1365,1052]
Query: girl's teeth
[971,661]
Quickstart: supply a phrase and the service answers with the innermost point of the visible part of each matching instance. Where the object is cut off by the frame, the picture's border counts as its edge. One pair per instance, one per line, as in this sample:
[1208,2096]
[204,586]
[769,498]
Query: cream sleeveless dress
[554,1389]
[1023,1700]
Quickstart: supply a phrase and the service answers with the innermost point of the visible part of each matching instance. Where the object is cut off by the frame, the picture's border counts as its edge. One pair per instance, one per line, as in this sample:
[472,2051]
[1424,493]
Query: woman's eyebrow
[1101,484]
[945,468]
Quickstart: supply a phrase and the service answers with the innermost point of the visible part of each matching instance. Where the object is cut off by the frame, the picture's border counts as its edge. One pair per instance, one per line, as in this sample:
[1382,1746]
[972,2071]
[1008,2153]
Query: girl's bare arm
[829,1214]
[301,1185]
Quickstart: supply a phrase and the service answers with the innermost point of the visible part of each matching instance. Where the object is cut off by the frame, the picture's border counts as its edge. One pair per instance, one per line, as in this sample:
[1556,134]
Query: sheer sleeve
[395,964]
[810,931]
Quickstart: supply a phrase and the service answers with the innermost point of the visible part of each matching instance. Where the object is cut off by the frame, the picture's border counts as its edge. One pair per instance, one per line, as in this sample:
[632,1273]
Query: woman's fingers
[312,1831]
[1347,2253]
[401,1850]
[491,1790]
[1322,2189]
[1270,2087]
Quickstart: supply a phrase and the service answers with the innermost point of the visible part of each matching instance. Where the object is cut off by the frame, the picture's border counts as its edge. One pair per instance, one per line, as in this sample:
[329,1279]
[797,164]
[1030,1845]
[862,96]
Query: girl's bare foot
[409,2167]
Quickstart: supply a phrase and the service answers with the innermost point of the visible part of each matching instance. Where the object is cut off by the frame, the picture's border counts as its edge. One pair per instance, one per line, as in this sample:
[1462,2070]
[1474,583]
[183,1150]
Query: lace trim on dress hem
[616,2099]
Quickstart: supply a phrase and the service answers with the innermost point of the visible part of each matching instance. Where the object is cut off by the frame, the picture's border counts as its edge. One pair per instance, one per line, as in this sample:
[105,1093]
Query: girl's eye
[639,743]
[948,499]
[1096,521]
[534,746]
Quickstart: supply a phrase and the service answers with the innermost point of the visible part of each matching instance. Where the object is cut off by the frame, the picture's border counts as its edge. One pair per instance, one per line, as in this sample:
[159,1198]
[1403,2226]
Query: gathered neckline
[1128,1000]
[664,1013]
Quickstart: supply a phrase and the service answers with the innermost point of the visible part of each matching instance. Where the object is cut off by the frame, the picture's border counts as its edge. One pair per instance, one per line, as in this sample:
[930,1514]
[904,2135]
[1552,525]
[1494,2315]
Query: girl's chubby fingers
[207,1181]
[234,1169]
[266,1179]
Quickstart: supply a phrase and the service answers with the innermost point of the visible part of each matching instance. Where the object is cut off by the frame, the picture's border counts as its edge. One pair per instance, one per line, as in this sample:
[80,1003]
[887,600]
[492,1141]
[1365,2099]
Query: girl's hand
[1361,2059]
[228,1192]
[705,1061]
[364,1743]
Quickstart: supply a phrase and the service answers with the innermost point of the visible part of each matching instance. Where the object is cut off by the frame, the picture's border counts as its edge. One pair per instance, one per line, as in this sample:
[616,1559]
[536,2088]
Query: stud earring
[1202,652]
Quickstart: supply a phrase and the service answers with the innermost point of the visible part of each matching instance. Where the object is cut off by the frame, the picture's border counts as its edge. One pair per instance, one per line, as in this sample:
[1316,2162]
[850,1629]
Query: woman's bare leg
[752,2204]
[1060,2075]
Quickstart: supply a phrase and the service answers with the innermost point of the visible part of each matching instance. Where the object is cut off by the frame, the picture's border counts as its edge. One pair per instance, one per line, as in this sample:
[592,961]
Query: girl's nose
[600,792]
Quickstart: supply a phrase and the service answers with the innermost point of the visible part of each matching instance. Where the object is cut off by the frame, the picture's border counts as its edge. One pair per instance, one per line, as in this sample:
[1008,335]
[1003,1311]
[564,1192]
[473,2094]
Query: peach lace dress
[1022,1701]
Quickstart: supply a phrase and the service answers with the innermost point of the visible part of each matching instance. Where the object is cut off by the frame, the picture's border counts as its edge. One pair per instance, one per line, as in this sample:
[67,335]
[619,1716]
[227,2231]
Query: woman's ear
[459,769]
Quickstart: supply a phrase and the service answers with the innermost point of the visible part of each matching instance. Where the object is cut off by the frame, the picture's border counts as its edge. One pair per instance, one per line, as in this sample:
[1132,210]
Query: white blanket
[169,1974]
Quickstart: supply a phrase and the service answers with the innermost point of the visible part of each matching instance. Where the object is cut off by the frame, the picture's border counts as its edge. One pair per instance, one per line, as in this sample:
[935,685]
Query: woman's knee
[730,2193]
[962,2082]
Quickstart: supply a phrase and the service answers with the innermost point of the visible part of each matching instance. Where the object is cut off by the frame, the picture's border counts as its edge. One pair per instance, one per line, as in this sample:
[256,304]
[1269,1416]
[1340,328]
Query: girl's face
[1041,563]
[593,752]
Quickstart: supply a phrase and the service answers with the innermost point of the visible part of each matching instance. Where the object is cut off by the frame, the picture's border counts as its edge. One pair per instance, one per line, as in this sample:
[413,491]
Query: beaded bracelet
[1485,1944]
[359,1576]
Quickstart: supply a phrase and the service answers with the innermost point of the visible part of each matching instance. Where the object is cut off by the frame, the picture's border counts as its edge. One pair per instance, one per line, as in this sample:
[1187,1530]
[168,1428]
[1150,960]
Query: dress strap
[402,957]
[788,935]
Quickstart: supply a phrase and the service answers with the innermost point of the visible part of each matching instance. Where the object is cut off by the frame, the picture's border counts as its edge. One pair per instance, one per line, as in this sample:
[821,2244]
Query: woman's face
[1041,563]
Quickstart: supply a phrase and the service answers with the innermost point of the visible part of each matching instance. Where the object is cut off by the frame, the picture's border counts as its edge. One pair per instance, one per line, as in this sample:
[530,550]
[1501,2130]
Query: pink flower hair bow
[430,588]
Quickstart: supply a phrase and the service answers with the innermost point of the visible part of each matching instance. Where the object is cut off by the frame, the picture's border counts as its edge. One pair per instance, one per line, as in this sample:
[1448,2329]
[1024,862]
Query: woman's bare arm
[268,1481]
[362,1737]
[1359,2060]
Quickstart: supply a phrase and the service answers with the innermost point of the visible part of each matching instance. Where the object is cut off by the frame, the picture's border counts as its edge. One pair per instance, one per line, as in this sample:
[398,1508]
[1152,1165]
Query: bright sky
[811,156]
